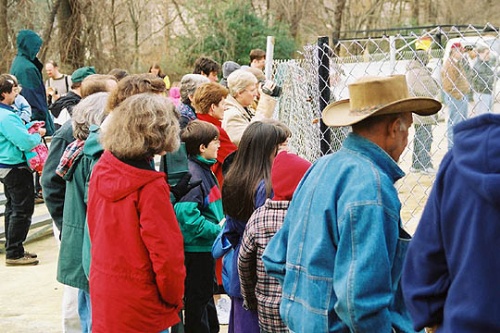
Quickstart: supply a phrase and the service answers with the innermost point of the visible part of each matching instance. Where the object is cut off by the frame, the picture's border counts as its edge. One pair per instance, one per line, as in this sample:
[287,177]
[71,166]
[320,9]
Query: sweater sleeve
[235,124]
[274,256]
[426,279]
[247,266]
[193,224]
[163,239]
[13,129]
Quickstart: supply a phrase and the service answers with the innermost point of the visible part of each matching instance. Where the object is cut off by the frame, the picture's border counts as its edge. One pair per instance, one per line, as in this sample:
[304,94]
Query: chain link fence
[456,65]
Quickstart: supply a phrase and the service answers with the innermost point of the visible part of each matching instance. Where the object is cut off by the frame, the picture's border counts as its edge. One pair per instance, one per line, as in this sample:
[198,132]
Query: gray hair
[189,83]
[239,80]
[89,111]
[480,48]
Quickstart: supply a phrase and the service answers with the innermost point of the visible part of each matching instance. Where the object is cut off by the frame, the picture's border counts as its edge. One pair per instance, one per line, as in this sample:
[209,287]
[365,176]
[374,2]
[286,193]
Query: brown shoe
[30,254]
[21,261]
[39,198]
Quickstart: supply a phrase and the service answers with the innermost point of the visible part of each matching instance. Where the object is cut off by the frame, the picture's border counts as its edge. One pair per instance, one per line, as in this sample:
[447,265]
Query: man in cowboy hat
[340,251]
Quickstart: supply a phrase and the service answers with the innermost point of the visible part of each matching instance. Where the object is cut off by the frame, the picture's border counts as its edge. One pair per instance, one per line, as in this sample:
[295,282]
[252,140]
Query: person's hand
[50,91]
[42,131]
[184,186]
[431,329]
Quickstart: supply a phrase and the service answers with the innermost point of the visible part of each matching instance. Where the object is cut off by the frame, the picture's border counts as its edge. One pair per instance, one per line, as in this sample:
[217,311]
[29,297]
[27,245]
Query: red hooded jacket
[137,271]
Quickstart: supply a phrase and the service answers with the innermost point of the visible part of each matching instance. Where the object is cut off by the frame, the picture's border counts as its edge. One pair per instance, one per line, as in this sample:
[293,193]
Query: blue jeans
[85,311]
[457,112]
[20,194]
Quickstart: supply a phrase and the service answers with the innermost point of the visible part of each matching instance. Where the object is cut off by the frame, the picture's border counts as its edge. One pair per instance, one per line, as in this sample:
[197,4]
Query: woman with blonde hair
[137,272]
[243,91]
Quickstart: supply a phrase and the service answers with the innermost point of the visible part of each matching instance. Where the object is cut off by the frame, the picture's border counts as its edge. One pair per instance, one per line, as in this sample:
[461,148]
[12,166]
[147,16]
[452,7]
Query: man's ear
[394,126]
[202,148]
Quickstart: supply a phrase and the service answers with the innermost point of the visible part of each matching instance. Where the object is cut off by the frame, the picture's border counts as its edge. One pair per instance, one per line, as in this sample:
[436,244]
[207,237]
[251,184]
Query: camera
[271,88]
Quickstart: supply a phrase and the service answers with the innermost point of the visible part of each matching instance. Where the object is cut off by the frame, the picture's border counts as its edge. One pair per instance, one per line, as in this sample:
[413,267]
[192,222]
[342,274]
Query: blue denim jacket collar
[377,155]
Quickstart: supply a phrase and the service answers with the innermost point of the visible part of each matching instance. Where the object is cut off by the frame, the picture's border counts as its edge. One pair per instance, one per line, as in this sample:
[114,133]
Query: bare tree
[47,33]
[6,48]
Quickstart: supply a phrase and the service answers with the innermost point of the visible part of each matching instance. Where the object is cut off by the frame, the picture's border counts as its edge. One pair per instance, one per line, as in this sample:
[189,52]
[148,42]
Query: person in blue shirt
[340,251]
[15,149]
[451,272]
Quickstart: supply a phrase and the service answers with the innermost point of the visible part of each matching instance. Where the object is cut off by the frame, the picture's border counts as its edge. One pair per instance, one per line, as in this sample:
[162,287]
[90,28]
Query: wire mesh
[449,65]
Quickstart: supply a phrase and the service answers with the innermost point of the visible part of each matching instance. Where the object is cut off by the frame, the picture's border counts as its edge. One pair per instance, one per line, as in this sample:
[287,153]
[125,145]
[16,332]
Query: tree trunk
[47,32]
[337,17]
[70,29]
[6,48]
[415,11]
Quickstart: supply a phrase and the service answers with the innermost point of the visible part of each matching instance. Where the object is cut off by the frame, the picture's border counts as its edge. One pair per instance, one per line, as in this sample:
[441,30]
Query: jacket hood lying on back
[476,152]
[28,43]
[118,179]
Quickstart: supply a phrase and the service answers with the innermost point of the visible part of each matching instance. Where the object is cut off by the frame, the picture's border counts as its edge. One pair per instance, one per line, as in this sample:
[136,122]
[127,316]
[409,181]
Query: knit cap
[81,73]
[228,67]
[286,173]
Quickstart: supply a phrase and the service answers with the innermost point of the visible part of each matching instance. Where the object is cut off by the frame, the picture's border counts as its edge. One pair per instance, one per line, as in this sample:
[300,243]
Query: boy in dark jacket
[199,213]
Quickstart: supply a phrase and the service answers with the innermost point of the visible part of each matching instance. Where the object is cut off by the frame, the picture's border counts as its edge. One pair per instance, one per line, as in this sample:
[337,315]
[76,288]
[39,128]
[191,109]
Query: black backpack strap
[66,80]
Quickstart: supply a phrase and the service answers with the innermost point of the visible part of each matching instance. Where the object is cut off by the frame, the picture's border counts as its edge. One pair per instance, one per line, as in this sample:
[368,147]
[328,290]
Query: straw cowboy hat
[374,96]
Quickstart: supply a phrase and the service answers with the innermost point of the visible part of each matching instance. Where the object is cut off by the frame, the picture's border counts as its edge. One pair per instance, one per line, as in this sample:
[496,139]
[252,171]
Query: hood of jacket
[28,44]
[68,101]
[117,180]
[476,153]
[92,148]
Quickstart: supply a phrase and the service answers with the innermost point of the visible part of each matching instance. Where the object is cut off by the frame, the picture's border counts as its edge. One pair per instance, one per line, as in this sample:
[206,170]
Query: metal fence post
[392,53]
[269,57]
[324,89]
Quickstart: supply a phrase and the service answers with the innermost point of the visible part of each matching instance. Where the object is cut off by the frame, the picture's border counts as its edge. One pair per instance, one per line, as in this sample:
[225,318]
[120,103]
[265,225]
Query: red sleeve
[162,237]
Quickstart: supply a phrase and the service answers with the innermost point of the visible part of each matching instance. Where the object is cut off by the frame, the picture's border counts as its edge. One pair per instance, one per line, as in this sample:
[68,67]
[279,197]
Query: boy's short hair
[198,133]
[257,54]
[208,94]
[205,65]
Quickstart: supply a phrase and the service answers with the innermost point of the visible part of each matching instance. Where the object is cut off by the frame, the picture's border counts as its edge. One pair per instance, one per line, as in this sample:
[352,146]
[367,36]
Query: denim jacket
[340,252]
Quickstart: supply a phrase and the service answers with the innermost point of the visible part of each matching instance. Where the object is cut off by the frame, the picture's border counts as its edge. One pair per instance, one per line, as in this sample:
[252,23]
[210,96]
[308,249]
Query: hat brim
[338,114]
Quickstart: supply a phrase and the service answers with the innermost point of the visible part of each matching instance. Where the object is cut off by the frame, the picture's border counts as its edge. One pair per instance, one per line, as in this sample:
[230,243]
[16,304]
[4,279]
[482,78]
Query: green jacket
[28,71]
[200,210]
[70,270]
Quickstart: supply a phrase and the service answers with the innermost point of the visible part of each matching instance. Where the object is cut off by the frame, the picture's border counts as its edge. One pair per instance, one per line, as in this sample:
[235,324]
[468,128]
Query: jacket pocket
[305,305]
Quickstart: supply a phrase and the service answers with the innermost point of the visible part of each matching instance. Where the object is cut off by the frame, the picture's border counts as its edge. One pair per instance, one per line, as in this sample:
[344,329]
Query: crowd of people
[297,247]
